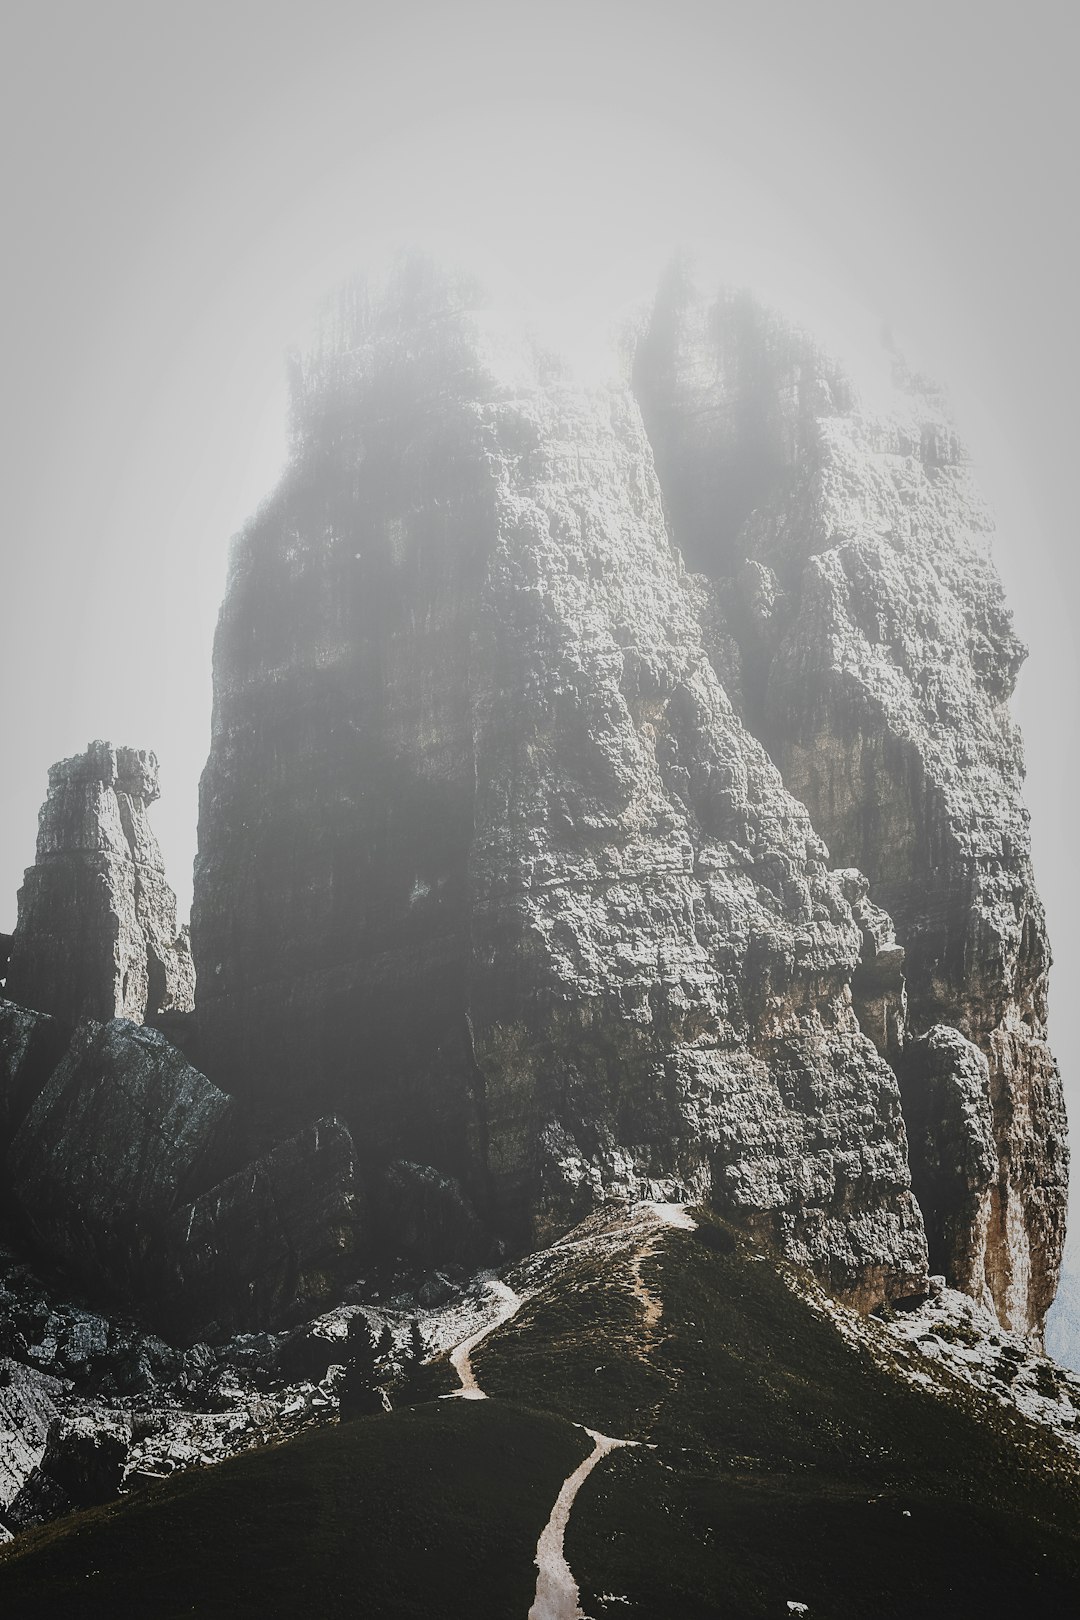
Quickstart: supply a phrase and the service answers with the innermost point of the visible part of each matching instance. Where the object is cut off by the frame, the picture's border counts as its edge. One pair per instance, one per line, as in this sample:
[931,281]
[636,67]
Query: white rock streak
[556,1589]
[460,1357]
[675,1215]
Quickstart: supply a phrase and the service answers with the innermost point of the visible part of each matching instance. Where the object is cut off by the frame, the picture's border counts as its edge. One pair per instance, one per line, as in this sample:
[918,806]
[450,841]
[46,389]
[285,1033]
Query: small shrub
[958,1333]
[416,1382]
[1048,1382]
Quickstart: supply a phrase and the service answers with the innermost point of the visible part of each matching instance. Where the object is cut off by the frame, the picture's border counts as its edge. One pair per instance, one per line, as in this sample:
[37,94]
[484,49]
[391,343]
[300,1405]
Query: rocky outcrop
[82,1466]
[29,1401]
[511,865]
[945,1082]
[31,1046]
[96,935]
[119,1168]
[121,1135]
[424,1220]
[487,856]
[845,554]
[91,1404]
[270,1242]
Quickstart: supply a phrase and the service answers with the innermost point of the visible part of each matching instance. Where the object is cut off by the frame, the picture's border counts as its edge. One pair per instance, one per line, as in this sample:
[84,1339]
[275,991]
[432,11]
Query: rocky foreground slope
[783,1454]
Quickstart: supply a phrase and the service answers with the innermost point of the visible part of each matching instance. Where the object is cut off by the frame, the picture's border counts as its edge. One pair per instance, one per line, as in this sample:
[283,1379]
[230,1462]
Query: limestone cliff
[96,935]
[488,860]
[845,555]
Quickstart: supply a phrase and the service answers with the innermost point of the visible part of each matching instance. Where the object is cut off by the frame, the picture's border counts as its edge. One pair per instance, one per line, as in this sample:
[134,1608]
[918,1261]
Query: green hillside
[782,1462]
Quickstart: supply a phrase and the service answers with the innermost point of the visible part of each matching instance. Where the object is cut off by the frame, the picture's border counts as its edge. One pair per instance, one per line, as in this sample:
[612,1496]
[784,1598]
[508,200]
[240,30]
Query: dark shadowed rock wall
[120,1169]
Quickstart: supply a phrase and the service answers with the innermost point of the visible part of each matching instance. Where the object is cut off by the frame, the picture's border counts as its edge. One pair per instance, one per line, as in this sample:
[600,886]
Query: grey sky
[182,181]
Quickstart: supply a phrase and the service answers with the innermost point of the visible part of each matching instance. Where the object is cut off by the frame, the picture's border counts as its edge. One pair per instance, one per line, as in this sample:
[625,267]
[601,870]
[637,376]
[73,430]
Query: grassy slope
[433,1510]
[785,1458]
[782,1463]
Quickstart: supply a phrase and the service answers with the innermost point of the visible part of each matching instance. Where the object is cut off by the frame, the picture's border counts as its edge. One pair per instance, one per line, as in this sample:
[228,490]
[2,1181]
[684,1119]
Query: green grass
[781,1464]
[431,1511]
[694,1545]
[784,1458]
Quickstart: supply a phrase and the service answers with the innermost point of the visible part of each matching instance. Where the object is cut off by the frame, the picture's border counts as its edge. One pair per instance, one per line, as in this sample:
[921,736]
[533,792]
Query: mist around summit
[595,1143]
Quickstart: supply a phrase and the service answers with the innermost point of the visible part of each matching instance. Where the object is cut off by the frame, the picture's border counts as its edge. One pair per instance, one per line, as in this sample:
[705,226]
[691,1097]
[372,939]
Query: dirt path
[556,1589]
[668,1215]
[460,1358]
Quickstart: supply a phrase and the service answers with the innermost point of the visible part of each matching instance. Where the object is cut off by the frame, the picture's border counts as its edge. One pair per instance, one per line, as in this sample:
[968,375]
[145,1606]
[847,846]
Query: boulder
[85,1455]
[271,1242]
[123,1132]
[29,1401]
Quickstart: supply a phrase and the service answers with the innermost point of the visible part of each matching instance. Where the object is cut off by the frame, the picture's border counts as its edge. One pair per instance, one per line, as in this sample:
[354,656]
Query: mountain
[533,705]
[612,806]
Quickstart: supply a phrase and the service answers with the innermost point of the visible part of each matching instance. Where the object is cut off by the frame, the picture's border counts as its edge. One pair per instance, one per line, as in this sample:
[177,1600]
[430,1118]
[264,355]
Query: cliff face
[120,1169]
[96,935]
[493,857]
[488,861]
[844,554]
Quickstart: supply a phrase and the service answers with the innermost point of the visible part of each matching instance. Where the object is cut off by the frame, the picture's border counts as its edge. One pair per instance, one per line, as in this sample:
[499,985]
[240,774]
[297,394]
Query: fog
[183,181]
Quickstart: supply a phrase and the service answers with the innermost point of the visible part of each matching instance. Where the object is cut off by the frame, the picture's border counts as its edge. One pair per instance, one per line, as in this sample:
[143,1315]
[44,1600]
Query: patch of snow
[950,1337]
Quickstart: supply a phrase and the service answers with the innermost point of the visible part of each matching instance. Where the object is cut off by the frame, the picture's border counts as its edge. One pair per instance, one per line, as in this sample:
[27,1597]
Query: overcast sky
[183,180]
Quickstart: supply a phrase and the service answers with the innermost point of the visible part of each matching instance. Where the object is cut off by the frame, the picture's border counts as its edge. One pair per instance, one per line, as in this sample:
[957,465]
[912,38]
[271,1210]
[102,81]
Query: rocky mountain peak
[612,795]
[96,934]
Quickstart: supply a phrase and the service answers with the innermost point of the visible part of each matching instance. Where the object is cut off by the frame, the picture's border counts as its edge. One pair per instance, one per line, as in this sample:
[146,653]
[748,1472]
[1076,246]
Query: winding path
[668,1215]
[460,1359]
[556,1589]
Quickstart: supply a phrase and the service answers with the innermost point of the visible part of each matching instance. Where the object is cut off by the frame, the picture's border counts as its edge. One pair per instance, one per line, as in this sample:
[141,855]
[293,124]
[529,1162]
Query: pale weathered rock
[945,1083]
[29,1401]
[846,553]
[96,935]
[487,859]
